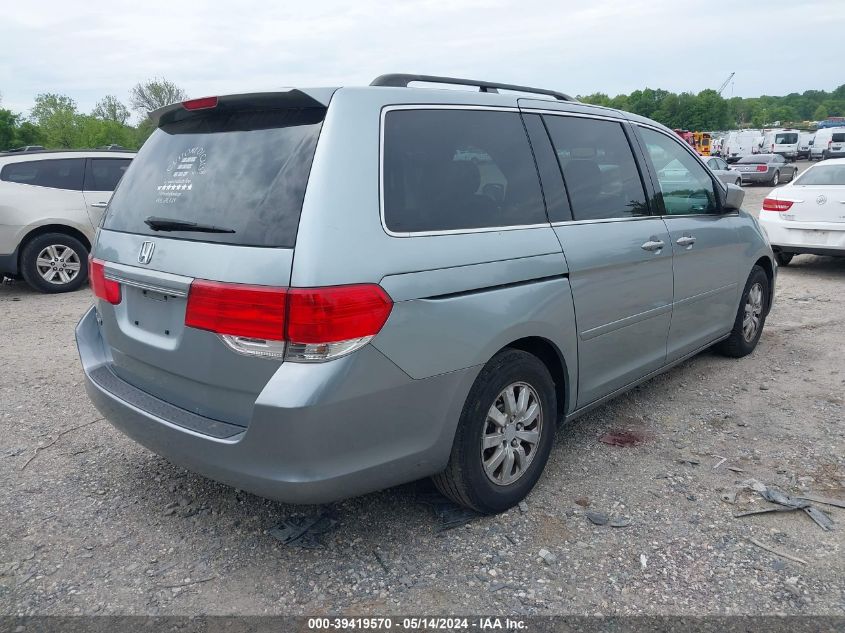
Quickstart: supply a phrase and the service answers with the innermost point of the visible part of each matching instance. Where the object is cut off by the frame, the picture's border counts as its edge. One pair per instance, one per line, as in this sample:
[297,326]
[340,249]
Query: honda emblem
[146,253]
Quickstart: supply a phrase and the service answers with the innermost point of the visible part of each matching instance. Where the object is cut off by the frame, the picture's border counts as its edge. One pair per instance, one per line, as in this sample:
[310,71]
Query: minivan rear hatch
[214,195]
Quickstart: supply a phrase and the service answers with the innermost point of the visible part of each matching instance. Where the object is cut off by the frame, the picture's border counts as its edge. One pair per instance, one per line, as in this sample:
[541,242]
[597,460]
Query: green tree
[153,94]
[55,115]
[110,109]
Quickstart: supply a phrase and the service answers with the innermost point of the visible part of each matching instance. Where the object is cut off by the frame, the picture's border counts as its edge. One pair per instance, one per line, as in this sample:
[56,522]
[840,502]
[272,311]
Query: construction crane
[725,83]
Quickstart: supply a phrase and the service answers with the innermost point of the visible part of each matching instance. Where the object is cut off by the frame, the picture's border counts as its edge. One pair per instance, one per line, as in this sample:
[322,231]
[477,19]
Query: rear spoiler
[291,98]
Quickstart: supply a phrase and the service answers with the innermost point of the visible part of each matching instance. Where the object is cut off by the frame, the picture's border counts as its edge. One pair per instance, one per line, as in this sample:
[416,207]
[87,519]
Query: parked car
[765,169]
[808,215]
[805,142]
[741,143]
[50,204]
[828,143]
[782,142]
[412,312]
[723,171]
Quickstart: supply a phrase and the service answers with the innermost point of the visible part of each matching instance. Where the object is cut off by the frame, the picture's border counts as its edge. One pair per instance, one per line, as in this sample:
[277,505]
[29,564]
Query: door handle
[686,240]
[653,246]
[100,205]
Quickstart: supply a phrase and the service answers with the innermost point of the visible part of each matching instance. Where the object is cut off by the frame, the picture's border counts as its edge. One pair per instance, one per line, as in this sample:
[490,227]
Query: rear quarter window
[838,138]
[59,173]
[446,170]
[103,174]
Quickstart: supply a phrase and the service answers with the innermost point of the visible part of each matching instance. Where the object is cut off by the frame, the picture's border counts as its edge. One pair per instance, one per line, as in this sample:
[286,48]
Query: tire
[465,480]
[740,343]
[775,179]
[738,182]
[784,258]
[60,255]
[824,155]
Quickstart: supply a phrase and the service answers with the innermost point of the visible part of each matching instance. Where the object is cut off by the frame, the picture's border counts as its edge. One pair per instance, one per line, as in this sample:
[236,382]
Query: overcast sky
[93,48]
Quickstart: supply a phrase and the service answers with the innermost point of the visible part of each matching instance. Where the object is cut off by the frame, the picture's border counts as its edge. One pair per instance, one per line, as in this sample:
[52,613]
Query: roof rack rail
[400,80]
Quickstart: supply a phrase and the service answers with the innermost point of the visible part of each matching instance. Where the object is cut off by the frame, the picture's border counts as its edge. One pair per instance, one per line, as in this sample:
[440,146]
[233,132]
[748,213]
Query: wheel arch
[768,267]
[52,228]
[553,359]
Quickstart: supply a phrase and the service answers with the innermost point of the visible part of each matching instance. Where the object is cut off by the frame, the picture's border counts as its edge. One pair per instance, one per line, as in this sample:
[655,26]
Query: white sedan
[808,215]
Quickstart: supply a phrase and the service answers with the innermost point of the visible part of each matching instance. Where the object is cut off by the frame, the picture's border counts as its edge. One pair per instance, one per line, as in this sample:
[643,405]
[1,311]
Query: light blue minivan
[317,293]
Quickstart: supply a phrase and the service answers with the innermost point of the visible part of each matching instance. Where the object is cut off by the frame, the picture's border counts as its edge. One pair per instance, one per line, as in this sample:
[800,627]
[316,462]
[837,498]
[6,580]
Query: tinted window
[458,169]
[786,138]
[755,159]
[837,138]
[63,173]
[598,168]
[823,175]
[240,170]
[685,184]
[104,173]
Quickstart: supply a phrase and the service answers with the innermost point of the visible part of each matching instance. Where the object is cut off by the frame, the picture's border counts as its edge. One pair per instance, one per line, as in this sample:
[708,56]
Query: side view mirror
[734,198]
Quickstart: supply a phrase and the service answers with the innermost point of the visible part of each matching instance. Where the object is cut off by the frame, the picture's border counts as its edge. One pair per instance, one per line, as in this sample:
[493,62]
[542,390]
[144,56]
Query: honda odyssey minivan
[312,294]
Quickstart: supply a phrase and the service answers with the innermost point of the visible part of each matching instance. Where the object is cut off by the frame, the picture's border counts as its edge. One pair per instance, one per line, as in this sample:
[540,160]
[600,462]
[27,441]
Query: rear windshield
[838,137]
[823,175]
[759,158]
[786,139]
[243,171]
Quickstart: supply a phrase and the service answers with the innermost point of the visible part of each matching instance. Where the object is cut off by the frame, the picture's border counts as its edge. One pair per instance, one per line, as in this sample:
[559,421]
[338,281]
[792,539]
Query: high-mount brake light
[105,289]
[298,324]
[773,204]
[203,103]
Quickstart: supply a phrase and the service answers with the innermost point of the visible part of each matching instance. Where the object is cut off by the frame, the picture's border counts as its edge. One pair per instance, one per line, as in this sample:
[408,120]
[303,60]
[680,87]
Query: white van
[829,142]
[741,143]
[805,142]
[783,142]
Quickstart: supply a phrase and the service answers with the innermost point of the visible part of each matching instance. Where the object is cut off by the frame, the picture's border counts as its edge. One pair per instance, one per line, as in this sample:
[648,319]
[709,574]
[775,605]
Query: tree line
[55,121]
[708,110]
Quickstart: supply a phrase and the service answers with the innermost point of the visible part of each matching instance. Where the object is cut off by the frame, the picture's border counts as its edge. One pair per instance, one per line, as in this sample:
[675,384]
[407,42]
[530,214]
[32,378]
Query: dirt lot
[92,523]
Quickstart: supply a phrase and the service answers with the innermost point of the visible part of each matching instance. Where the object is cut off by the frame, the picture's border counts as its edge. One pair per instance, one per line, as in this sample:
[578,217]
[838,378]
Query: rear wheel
[783,259]
[776,179]
[750,317]
[55,262]
[504,435]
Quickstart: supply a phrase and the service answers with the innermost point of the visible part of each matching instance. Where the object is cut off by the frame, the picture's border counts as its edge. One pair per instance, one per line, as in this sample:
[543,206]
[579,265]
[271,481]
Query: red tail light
[762,168]
[317,323]
[773,204]
[105,289]
[203,103]
[237,309]
[337,313]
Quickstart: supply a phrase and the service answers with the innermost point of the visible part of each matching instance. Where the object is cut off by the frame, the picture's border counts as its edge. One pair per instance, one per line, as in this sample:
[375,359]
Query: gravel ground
[92,523]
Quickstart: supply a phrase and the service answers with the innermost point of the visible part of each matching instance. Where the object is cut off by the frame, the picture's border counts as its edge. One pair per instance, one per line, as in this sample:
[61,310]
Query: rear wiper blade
[169,224]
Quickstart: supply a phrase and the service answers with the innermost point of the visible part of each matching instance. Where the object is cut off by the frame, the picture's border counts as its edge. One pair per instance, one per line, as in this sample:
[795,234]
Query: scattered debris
[523,507]
[582,501]
[451,514]
[57,438]
[764,387]
[598,518]
[828,501]
[498,586]
[303,532]
[721,461]
[188,582]
[786,503]
[643,561]
[381,561]
[776,552]
[689,460]
[621,438]
[620,522]
[729,497]
[735,469]
[547,556]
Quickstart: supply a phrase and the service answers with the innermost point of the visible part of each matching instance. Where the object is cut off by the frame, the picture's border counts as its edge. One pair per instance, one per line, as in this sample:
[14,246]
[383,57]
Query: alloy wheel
[511,433]
[753,312]
[58,264]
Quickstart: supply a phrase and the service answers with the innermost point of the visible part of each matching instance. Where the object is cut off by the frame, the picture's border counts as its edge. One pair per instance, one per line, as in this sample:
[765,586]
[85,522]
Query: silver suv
[50,204]
[314,294]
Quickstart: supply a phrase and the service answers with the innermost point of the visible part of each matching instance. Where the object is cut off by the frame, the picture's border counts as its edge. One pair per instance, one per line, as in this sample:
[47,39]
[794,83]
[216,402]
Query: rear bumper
[755,177]
[820,238]
[318,433]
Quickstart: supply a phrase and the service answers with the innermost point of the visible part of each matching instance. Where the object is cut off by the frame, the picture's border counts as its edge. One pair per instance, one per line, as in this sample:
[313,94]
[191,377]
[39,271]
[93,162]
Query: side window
[598,168]
[458,169]
[685,185]
[104,173]
[63,173]
[722,164]
[713,163]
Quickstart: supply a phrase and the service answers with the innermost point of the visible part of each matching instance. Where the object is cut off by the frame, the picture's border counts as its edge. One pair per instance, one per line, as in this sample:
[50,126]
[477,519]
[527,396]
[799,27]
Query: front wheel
[55,262]
[783,259]
[504,434]
[750,317]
